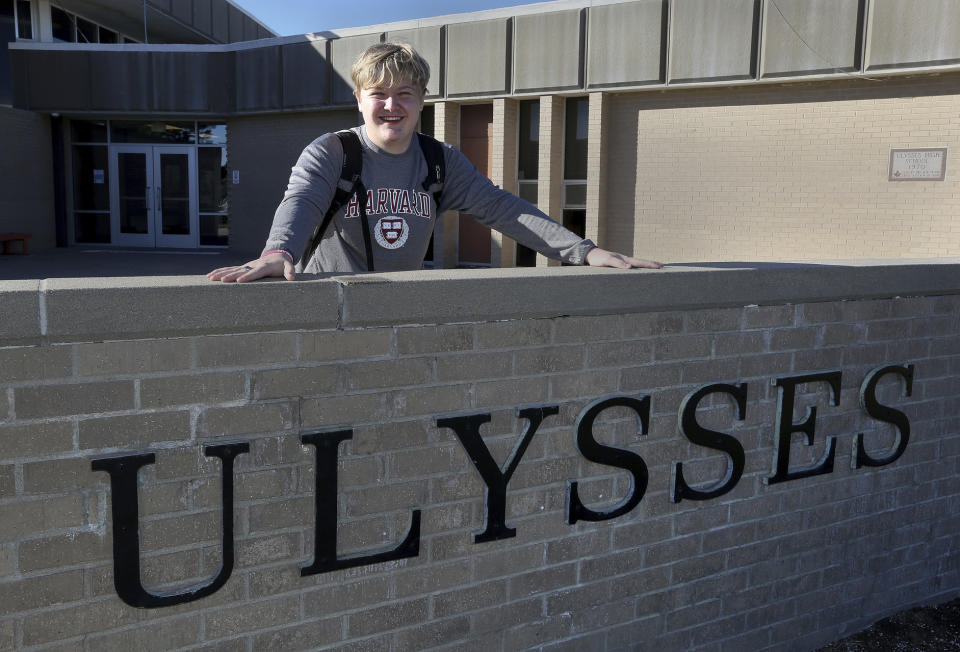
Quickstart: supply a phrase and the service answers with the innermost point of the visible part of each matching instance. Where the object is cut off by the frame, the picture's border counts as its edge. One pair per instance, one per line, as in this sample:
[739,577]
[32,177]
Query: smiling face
[391,114]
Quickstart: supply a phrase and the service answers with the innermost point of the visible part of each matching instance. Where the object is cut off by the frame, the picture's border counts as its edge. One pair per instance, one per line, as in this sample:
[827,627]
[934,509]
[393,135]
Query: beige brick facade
[782,172]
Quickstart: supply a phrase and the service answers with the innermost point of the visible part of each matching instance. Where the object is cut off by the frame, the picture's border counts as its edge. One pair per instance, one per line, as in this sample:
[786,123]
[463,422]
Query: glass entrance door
[154,196]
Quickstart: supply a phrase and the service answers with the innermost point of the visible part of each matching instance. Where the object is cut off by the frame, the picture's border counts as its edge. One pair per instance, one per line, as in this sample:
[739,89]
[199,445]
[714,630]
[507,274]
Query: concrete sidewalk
[79,262]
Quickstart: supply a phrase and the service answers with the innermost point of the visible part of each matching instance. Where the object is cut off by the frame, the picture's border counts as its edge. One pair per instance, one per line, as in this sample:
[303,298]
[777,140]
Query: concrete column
[446,127]
[597,168]
[503,172]
[550,168]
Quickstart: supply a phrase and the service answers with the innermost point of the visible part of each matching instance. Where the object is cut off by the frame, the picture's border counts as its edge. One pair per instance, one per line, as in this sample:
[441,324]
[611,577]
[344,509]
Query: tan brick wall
[796,564]
[597,169]
[774,172]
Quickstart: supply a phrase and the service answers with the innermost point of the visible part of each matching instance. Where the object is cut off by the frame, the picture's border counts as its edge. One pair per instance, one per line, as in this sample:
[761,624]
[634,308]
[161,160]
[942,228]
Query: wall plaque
[918,164]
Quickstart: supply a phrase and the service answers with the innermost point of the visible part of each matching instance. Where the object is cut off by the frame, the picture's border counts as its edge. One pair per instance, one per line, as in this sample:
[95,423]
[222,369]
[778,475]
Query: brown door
[476,143]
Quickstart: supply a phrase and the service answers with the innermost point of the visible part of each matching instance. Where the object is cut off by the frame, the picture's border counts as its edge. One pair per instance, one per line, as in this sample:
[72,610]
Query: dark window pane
[127,39]
[212,134]
[528,190]
[576,221]
[427,121]
[575,195]
[86,31]
[151,132]
[62,25]
[8,33]
[214,230]
[91,227]
[528,156]
[575,145]
[88,131]
[91,185]
[107,36]
[133,191]
[526,257]
[212,172]
[24,20]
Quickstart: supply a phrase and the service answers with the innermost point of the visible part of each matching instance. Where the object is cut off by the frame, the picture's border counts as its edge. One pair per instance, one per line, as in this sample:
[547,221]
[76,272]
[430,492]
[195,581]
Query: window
[71,28]
[64,25]
[87,32]
[577,112]
[90,152]
[528,162]
[91,182]
[122,131]
[212,185]
[24,19]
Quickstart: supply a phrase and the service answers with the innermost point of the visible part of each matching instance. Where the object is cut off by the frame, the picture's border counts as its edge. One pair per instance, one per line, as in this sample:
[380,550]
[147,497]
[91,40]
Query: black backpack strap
[346,185]
[436,166]
[365,226]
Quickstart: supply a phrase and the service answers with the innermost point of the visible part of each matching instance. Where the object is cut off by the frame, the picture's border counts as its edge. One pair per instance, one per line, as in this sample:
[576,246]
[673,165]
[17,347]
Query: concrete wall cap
[96,309]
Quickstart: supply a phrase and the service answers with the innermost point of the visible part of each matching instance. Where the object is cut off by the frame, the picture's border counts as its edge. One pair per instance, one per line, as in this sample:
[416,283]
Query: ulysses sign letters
[123,473]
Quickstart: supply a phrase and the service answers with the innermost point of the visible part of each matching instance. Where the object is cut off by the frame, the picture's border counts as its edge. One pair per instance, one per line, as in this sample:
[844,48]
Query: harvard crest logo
[392,232]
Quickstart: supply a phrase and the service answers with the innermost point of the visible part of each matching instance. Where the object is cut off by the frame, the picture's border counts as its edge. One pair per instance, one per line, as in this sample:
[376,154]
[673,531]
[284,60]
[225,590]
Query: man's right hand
[270,265]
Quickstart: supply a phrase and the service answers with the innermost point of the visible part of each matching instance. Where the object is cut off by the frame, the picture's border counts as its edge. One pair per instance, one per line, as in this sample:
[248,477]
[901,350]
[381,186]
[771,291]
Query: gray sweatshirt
[400,213]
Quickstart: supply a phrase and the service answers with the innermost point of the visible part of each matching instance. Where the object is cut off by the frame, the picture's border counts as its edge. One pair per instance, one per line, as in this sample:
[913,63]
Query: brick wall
[781,172]
[766,565]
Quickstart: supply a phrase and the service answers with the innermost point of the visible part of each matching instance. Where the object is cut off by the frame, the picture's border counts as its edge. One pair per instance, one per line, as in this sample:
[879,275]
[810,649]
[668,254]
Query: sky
[291,17]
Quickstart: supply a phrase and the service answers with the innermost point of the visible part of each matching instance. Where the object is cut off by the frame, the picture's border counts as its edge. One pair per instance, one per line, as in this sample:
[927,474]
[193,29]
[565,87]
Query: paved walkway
[77,262]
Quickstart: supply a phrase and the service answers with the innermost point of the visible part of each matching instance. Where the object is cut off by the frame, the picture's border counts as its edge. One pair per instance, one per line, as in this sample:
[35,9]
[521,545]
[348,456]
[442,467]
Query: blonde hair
[388,64]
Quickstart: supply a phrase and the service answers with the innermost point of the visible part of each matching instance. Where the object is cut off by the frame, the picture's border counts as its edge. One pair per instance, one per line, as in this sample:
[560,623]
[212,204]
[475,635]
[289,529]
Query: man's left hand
[598,257]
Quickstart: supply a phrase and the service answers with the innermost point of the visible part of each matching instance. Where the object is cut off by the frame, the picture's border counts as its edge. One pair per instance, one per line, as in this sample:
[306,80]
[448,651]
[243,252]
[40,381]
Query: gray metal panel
[58,80]
[121,81]
[235,20]
[258,76]
[810,37]
[626,44]
[906,33]
[547,51]
[478,58]
[343,52]
[306,74]
[220,16]
[203,16]
[712,40]
[162,5]
[428,41]
[221,82]
[180,82]
[182,10]
[249,29]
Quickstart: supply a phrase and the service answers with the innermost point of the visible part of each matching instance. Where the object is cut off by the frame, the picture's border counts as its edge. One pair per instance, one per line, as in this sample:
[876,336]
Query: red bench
[7,238]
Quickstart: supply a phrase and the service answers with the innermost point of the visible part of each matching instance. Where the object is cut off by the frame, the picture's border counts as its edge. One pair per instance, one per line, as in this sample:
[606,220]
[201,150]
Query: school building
[682,130]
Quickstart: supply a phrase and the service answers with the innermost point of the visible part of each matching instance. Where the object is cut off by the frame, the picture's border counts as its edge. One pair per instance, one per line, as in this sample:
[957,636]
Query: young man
[390,81]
